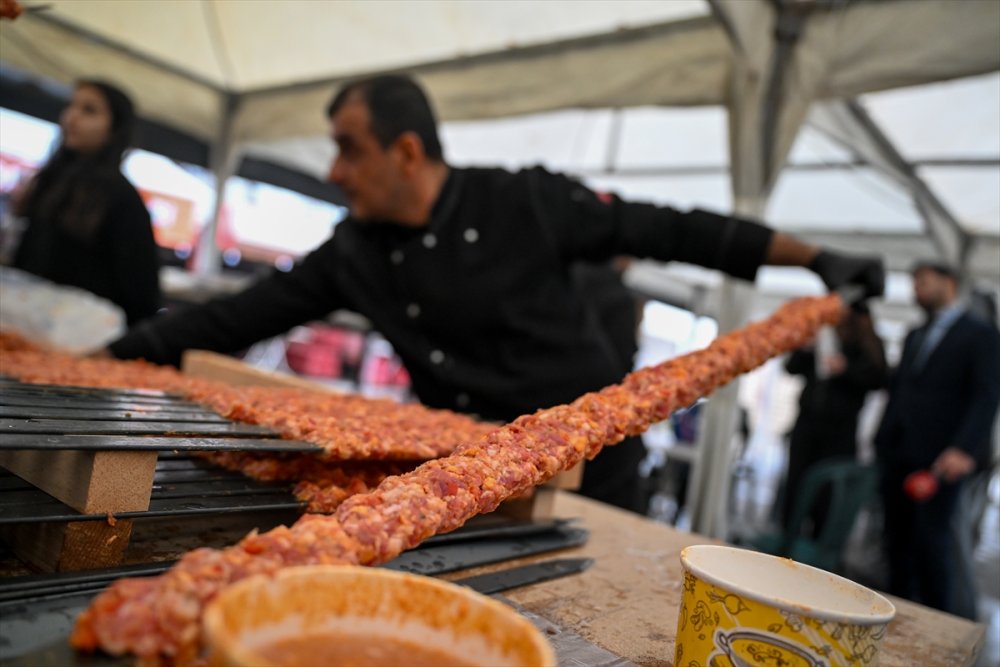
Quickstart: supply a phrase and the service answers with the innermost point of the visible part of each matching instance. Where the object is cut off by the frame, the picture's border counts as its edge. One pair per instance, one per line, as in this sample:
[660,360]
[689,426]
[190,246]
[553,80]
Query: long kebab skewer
[158,619]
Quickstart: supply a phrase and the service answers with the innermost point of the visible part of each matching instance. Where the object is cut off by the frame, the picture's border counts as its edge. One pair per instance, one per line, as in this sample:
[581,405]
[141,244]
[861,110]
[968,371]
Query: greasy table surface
[628,601]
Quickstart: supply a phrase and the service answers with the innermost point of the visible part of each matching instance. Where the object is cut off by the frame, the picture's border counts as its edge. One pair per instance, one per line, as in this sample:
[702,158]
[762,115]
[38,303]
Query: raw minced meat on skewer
[158,618]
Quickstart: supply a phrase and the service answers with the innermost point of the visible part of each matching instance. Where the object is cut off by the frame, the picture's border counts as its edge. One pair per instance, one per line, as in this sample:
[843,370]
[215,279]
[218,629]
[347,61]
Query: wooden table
[628,601]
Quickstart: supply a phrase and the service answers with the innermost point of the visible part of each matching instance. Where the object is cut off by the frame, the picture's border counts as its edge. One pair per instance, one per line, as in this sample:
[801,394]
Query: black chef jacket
[479,304]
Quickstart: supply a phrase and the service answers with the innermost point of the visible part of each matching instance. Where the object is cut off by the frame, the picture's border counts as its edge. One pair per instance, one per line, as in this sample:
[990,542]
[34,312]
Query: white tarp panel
[39,47]
[682,63]
[878,45]
[850,201]
[971,193]
[243,45]
[944,119]
[619,53]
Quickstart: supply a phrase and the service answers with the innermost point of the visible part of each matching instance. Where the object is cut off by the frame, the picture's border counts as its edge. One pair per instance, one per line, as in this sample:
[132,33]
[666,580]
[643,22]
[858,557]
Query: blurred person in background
[837,382]
[943,400]
[467,273]
[87,226]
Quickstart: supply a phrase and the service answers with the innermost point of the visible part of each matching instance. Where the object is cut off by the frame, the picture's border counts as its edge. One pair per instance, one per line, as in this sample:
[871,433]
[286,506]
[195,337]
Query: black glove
[838,270]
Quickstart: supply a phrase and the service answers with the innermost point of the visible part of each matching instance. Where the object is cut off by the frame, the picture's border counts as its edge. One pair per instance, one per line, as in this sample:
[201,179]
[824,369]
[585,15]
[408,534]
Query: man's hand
[953,464]
[834,364]
[838,270]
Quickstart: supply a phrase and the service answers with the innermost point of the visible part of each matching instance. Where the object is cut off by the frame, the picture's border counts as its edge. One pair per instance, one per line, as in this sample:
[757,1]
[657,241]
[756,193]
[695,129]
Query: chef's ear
[410,150]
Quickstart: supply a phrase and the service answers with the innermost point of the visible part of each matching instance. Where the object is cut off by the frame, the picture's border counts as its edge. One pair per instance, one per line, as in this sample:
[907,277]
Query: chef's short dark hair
[937,266]
[397,104]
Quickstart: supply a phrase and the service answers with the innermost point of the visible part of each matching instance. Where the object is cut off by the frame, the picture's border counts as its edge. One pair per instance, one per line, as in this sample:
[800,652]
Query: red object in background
[921,485]
[10,9]
[307,358]
[325,351]
[334,352]
[381,367]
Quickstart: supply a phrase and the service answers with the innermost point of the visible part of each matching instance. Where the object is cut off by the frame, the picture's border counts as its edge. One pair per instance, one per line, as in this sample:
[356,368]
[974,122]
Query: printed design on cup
[752,648]
[792,620]
[863,641]
[733,603]
[718,628]
[702,619]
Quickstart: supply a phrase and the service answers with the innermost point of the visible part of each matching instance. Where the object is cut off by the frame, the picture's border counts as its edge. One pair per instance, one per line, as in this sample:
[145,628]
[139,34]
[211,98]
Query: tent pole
[766,109]
[614,139]
[224,159]
[749,26]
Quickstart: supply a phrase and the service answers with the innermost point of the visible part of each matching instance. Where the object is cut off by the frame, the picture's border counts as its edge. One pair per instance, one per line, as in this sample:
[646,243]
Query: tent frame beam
[938,226]
[848,123]
[718,169]
[128,51]
[512,53]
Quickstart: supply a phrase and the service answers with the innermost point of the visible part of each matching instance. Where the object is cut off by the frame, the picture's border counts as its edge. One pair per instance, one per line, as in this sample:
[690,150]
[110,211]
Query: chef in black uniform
[469,273]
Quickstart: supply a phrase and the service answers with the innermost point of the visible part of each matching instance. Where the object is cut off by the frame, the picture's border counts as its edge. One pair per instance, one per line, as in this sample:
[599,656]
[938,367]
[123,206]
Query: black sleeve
[867,368]
[585,225]
[801,362]
[270,307]
[135,265]
[981,409]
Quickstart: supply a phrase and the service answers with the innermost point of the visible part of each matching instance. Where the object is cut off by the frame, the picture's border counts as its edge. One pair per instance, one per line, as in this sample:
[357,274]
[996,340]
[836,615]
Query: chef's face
[86,122]
[933,290]
[372,176]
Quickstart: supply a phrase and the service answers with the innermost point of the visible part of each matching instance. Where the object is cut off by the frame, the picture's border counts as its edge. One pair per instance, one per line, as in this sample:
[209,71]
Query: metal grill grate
[57,417]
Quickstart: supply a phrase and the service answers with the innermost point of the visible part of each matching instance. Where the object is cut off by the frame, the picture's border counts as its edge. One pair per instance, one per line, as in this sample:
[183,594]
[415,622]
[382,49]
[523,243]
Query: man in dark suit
[942,402]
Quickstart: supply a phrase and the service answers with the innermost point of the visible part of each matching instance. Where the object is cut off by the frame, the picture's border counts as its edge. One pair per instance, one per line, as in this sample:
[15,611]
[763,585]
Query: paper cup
[742,608]
[327,615]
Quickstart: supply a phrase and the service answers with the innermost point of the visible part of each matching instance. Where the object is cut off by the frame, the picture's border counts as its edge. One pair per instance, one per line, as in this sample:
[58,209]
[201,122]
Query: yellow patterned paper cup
[743,608]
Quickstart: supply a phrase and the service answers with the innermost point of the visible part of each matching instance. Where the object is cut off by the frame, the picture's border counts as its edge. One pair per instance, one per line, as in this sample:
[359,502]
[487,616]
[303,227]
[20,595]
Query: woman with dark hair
[86,225]
[836,387]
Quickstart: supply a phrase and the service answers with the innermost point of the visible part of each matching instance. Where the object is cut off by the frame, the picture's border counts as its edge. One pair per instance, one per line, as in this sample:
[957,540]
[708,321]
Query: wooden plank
[212,366]
[536,505]
[69,547]
[91,482]
[569,480]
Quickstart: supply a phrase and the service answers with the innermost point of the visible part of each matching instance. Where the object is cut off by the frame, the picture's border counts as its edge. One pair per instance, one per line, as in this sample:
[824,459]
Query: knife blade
[534,573]
[514,529]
